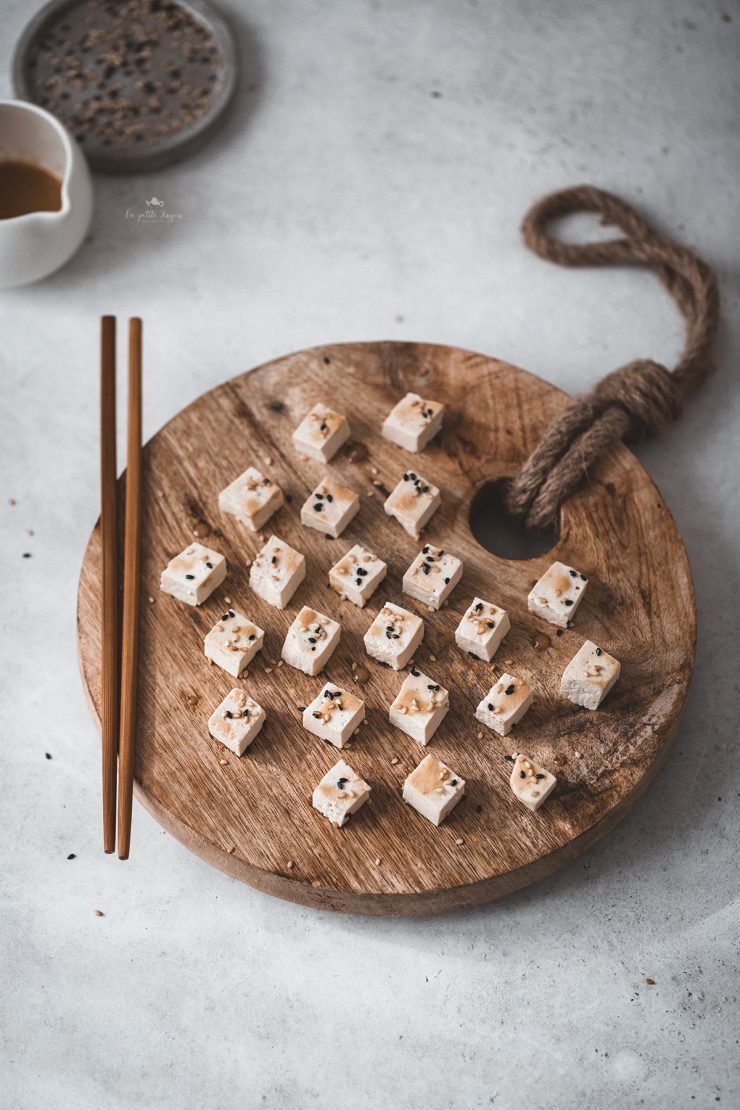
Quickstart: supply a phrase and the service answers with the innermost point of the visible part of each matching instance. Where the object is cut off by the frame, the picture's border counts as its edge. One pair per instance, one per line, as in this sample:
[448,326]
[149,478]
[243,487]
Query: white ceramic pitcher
[37,243]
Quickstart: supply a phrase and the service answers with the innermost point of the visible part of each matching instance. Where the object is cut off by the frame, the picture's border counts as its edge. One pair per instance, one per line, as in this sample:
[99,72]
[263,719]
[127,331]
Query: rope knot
[646,390]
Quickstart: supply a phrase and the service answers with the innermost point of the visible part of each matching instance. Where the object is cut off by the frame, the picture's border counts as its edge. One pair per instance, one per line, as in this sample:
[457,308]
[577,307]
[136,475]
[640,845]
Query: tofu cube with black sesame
[530,783]
[557,595]
[311,641]
[413,422]
[330,508]
[505,704]
[334,715]
[340,793]
[194,574]
[237,721]
[321,433]
[251,498]
[482,629]
[413,502]
[394,636]
[432,576]
[433,789]
[357,575]
[589,676]
[233,642]
[419,707]
[277,572]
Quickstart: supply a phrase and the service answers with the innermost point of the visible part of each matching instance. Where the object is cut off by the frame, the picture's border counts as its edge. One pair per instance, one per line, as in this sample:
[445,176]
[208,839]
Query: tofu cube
[357,576]
[311,641]
[413,422]
[277,572]
[340,793]
[251,498]
[531,784]
[433,789]
[321,433]
[394,636]
[237,721]
[233,642]
[194,574]
[505,704]
[419,707]
[413,502]
[558,594]
[330,508]
[432,576]
[334,715]
[482,629]
[589,676]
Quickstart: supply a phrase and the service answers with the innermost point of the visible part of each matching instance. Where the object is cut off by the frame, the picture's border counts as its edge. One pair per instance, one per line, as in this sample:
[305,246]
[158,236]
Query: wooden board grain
[252,816]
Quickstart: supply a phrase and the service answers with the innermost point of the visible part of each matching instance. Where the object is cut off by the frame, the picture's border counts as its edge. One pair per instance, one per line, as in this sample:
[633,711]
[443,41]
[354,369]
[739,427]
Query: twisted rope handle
[643,396]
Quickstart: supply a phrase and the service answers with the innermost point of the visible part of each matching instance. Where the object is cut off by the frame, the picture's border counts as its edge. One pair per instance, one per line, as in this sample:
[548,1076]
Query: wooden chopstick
[109,541]
[131,558]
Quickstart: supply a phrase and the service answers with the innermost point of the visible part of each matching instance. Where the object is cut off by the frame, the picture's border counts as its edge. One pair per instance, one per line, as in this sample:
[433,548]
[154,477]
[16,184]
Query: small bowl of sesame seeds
[139,83]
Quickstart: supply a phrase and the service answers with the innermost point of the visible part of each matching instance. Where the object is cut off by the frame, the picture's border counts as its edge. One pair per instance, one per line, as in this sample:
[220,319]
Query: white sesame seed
[378,861]
[459,840]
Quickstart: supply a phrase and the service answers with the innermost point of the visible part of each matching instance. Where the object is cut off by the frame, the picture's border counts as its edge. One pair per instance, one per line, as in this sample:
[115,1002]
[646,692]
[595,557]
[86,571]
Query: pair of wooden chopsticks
[119,686]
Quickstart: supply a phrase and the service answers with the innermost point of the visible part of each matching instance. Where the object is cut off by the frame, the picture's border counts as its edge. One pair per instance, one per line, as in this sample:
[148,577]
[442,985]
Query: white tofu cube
[394,636]
[194,574]
[357,575]
[433,789]
[233,642]
[558,594]
[531,784]
[251,498]
[589,676]
[432,576]
[237,721]
[413,503]
[505,704]
[419,707]
[277,572]
[321,433]
[413,422]
[334,715]
[330,508]
[482,629]
[311,641]
[340,793]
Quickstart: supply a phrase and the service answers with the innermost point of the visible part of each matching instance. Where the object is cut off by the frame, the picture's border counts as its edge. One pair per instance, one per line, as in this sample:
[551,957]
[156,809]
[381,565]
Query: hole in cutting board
[499,532]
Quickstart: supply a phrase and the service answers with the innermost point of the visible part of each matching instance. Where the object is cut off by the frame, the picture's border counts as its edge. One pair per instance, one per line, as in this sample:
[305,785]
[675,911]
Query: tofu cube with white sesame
[251,498]
[505,704]
[482,629]
[237,721]
[419,707]
[413,422]
[433,789]
[530,783]
[340,793]
[334,715]
[277,572]
[194,574]
[330,508]
[233,642]
[589,676]
[311,641]
[321,433]
[557,595]
[432,576]
[357,575]
[394,636]
[413,502]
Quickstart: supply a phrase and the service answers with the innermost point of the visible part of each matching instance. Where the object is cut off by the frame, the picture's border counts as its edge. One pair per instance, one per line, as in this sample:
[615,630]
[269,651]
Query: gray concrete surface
[346,200]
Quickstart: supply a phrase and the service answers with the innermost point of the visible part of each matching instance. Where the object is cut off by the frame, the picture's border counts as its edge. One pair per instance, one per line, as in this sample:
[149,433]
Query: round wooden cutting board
[252,816]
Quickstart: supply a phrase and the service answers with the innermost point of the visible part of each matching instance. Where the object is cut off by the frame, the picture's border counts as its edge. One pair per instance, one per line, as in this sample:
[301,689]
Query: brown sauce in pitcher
[27,188]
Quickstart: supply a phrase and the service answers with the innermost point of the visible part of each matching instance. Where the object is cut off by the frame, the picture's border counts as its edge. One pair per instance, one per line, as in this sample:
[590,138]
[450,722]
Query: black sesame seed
[478,607]
[573,574]
[210,566]
[361,572]
[318,507]
[320,496]
[415,673]
[48,755]
[598,651]
[71,856]
[539,776]
[583,577]
[389,633]
[412,476]
[301,708]
[190,576]
[323,427]
[327,360]
[425,549]
[432,686]
[510,758]
[225,617]
[568,601]
[425,568]
[358,581]
[558,632]
[522,775]
[312,639]
[490,708]
[341,783]
[229,714]
[453,782]
[316,714]
[447,581]
[26,554]
[330,497]
[252,636]
[489,624]
[273,560]
[510,689]
[232,613]
[265,481]
[328,537]
[406,477]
